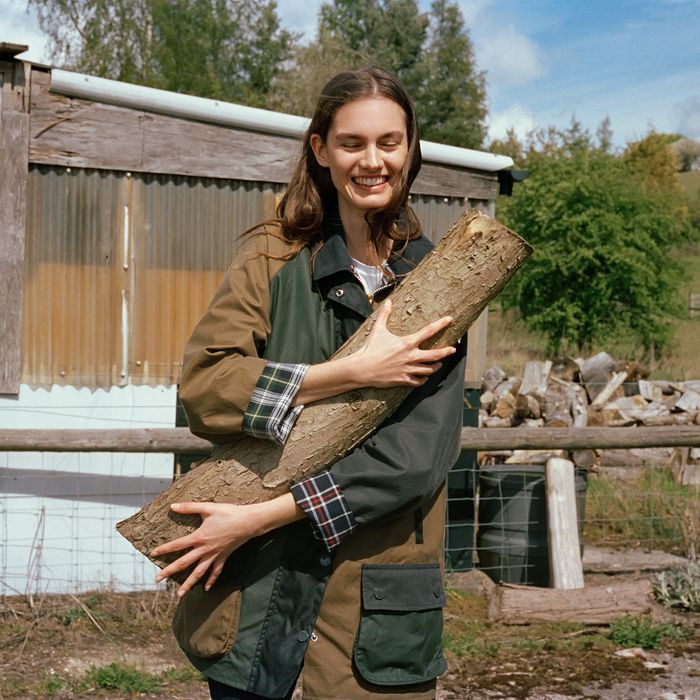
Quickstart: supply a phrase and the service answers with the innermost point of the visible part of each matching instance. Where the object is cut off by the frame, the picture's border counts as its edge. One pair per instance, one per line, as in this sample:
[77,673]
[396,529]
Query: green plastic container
[512,537]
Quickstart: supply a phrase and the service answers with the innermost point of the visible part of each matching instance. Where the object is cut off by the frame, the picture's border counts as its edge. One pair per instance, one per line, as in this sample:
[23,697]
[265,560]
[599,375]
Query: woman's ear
[319,149]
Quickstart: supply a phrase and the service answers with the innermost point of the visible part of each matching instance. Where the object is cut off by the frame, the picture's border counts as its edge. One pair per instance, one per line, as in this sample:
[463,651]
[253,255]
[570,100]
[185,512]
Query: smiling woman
[342,574]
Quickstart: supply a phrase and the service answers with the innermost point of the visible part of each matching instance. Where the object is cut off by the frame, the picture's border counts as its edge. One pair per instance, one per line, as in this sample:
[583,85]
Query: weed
[650,510]
[57,685]
[122,677]
[181,674]
[640,631]
[680,587]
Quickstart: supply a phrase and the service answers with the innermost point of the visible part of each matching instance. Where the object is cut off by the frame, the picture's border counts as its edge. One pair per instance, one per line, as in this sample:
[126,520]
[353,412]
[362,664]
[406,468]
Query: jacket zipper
[370,295]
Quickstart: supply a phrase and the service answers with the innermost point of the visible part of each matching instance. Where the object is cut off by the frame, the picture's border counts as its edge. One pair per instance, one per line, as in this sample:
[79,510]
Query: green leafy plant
[641,631]
[680,587]
[122,677]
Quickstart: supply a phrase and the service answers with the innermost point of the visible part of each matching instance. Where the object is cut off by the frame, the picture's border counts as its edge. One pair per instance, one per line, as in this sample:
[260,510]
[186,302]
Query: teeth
[370,181]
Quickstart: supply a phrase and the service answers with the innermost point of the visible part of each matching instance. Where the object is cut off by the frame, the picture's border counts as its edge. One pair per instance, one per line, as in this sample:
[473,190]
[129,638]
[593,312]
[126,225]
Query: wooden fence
[181,441]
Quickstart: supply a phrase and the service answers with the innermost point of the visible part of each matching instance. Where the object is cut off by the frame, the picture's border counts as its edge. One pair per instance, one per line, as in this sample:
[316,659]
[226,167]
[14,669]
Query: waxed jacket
[283,599]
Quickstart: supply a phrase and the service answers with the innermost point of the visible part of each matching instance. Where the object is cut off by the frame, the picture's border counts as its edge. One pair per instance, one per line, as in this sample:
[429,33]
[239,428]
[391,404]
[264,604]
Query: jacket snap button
[437,590]
[378,593]
[302,636]
[339,292]
[325,560]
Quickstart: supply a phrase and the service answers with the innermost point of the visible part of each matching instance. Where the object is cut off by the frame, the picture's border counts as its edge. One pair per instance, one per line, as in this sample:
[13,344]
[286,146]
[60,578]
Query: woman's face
[365,150]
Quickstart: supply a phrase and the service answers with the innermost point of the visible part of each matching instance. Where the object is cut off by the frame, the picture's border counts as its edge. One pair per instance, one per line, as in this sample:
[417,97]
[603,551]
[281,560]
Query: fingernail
[159,579]
[207,587]
[180,593]
[174,505]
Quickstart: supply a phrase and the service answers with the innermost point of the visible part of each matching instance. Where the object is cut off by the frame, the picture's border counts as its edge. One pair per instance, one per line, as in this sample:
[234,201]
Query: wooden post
[566,570]
[14,153]
[469,266]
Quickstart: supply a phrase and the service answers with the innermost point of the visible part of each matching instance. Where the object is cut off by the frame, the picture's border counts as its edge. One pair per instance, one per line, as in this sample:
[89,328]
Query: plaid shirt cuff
[323,502]
[270,414]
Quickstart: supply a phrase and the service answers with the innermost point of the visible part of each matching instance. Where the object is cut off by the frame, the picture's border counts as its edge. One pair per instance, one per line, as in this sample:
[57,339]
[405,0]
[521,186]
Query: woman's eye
[350,145]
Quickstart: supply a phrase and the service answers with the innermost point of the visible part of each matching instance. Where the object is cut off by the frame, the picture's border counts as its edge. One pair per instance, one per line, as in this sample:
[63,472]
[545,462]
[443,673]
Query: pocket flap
[402,587]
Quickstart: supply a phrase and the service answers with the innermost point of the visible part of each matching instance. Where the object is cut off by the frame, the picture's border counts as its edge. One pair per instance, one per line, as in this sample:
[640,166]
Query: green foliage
[449,91]
[680,587]
[640,631]
[431,52]
[122,677]
[211,48]
[603,227]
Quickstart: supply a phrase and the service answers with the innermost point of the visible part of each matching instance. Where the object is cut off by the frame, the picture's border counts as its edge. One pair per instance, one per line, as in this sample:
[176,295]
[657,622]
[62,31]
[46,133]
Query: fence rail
[180,440]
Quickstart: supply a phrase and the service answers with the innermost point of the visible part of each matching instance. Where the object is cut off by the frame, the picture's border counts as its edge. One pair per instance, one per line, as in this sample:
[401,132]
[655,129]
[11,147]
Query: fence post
[566,569]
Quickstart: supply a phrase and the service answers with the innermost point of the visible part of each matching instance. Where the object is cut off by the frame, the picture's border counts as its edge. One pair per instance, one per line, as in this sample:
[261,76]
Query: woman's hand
[225,527]
[384,360]
[390,360]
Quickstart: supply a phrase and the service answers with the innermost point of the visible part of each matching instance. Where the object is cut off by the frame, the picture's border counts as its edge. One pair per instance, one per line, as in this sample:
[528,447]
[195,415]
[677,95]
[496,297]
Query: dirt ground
[119,646]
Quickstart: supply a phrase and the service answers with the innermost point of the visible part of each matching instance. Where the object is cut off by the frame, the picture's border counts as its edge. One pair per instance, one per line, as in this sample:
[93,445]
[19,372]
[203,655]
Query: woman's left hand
[225,527]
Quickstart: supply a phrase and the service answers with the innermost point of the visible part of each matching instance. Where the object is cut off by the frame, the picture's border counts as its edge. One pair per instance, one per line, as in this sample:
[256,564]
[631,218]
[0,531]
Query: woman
[342,574]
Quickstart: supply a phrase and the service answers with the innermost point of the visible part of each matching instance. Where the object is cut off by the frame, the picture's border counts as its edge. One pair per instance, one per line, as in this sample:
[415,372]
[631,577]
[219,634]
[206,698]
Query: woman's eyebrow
[391,134]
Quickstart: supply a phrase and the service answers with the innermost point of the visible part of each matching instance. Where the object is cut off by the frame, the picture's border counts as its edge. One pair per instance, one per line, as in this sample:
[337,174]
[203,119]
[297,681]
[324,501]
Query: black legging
[219,691]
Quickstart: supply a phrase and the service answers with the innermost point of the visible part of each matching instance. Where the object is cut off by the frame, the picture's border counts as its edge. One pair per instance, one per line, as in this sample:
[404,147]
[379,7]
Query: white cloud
[473,10]
[516,117]
[510,58]
[688,113]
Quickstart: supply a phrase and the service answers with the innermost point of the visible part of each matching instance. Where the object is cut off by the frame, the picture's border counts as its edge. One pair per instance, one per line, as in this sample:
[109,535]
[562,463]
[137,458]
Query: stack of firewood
[597,391]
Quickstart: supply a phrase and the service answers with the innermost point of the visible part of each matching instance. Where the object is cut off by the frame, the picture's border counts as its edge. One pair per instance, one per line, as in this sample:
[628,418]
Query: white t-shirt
[372,276]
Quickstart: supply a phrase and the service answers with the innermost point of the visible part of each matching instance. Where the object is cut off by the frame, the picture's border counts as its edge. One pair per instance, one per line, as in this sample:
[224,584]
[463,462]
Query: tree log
[467,269]
[592,605]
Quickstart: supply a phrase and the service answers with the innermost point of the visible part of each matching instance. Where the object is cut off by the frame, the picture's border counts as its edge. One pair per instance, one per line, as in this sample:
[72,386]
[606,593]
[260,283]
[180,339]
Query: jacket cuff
[269,414]
[323,502]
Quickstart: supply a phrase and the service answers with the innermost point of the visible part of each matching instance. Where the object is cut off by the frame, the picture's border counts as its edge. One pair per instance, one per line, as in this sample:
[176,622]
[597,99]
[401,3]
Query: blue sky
[634,61]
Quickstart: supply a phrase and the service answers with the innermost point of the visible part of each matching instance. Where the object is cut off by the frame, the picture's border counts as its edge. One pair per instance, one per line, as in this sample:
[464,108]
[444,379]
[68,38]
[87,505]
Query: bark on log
[592,605]
[469,267]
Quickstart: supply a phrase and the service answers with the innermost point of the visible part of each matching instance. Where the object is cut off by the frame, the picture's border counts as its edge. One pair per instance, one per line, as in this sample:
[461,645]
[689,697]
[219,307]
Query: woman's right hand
[391,360]
[384,360]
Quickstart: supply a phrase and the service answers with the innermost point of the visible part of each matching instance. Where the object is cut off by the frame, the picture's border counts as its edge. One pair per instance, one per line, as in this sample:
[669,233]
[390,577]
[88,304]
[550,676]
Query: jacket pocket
[206,622]
[399,639]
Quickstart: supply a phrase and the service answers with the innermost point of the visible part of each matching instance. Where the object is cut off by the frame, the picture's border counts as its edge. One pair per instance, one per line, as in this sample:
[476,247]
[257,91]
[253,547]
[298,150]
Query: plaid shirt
[270,414]
[322,500]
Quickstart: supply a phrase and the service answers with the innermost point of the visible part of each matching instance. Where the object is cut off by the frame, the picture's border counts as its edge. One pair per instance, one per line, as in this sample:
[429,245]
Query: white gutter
[203,109]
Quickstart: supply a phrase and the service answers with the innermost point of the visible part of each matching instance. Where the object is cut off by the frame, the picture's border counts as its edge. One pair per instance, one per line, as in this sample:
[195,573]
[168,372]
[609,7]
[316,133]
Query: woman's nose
[371,157]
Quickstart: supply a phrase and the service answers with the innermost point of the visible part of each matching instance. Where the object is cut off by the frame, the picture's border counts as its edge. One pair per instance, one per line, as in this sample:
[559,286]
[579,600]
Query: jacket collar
[332,254]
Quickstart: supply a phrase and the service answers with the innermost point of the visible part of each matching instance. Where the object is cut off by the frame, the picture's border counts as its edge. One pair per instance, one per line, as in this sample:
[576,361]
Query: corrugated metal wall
[120,267]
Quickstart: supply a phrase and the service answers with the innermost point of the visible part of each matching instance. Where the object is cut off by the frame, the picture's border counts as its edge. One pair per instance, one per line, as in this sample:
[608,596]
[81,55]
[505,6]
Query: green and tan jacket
[365,620]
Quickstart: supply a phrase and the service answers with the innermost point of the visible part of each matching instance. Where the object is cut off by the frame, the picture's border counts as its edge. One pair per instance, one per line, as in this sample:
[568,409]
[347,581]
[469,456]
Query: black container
[459,525]
[512,541]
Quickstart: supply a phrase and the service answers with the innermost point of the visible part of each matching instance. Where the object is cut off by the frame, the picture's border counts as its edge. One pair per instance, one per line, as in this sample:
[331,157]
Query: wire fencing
[58,513]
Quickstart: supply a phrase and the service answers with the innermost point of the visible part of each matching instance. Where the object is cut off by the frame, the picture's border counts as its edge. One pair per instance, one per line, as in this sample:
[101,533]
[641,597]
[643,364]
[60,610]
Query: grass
[653,511]
[117,677]
[641,631]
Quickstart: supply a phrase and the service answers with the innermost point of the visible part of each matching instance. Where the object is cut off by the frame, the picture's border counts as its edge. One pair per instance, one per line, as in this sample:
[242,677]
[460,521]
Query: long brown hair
[311,192]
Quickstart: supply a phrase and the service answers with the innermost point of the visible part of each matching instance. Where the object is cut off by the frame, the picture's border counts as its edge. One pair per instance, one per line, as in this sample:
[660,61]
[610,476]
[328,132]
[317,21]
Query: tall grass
[652,511]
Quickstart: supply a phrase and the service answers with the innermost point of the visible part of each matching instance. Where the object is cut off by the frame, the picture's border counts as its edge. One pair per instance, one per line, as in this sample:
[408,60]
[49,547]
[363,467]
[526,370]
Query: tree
[386,33]
[450,93]
[212,48]
[602,268]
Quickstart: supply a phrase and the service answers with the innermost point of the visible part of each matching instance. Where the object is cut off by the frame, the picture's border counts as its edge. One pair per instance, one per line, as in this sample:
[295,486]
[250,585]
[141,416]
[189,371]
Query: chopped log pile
[597,391]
